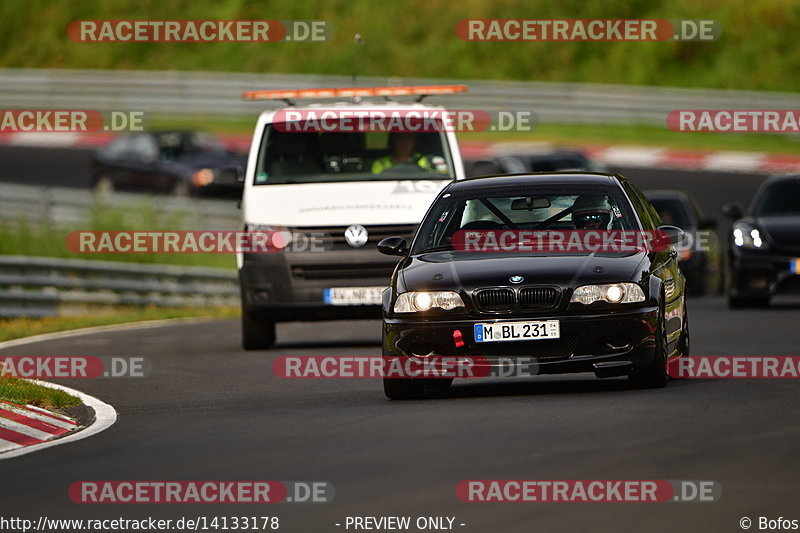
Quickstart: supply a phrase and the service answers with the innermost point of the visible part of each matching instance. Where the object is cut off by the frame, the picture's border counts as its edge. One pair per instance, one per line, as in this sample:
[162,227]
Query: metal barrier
[72,207]
[45,286]
[181,92]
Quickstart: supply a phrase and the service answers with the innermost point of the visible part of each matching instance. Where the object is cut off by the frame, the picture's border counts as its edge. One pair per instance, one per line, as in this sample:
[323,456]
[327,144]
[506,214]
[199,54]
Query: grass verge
[24,392]
[16,328]
[29,238]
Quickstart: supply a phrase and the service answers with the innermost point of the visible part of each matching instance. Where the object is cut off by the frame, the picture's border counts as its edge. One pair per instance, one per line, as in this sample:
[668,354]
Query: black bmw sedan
[763,249]
[515,268]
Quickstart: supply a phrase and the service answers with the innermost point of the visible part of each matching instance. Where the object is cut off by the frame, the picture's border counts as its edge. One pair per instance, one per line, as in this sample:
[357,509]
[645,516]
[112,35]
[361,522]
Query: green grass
[23,392]
[416,38]
[50,240]
[16,328]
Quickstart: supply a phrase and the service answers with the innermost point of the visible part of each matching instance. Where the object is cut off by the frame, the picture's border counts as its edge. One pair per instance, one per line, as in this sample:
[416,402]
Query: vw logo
[516,279]
[356,235]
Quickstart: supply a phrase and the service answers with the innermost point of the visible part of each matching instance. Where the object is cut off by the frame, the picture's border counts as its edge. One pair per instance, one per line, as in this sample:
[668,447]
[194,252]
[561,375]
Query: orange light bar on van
[349,92]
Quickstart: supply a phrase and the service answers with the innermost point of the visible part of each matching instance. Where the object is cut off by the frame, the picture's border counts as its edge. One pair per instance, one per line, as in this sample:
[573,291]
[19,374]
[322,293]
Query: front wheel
[738,302]
[654,374]
[256,335]
[685,344]
[104,185]
[402,388]
[180,189]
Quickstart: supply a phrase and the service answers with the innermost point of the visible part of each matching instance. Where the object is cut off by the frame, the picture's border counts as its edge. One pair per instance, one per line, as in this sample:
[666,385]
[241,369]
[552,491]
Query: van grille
[332,237]
[343,271]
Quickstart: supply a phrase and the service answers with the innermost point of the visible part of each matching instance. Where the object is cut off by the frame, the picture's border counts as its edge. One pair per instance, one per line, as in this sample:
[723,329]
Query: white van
[334,193]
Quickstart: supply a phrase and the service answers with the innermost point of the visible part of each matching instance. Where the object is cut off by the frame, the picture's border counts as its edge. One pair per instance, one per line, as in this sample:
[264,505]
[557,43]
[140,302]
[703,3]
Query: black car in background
[763,250]
[177,162]
[613,313]
[550,160]
[700,256]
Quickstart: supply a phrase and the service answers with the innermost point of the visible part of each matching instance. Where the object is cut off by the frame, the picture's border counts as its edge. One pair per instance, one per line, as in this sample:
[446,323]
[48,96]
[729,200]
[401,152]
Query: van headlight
[421,301]
[277,237]
[748,236]
[613,293]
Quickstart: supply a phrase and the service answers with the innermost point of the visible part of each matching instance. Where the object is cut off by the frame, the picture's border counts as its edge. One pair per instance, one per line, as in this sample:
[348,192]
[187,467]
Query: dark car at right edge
[763,250]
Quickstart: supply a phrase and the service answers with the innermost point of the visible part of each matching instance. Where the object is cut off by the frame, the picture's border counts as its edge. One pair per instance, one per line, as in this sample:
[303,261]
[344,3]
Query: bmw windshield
[565,210]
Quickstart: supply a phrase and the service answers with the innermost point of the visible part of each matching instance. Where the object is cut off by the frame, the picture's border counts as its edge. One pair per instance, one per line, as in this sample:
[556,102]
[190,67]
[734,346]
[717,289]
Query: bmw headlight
[747,236]
[613,293]
[421,301]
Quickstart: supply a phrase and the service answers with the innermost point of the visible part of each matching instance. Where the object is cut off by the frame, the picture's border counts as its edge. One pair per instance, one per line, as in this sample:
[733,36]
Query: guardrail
[72,207]
[43,286]
[181,92]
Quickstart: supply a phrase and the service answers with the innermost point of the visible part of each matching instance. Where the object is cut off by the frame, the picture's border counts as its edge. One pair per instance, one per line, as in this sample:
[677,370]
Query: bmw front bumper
[607,344]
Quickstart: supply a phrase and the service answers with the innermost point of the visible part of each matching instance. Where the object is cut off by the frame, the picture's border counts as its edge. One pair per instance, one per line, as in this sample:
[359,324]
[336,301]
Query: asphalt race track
[210,411]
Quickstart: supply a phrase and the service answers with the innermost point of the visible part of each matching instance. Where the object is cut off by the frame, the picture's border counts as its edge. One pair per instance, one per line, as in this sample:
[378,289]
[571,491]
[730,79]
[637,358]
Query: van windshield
[316,157]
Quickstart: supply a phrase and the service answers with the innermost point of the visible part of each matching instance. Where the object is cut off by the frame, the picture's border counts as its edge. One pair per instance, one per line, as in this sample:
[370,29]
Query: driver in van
[401,144]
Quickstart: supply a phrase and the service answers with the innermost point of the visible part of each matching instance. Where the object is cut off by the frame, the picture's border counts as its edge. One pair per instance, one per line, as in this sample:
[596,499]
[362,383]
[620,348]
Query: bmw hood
[457,270]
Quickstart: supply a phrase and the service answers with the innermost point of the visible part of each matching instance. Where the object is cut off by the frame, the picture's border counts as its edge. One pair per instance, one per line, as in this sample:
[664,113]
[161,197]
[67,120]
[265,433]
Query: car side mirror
[229,177]
[393,246]
[733,210]
[673,234]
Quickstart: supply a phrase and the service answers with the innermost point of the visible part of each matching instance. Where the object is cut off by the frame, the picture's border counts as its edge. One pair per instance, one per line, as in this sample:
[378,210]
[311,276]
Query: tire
[684,344]
[438,384]
[180,189]
[256,335]
[104,185]
[738,302]
[403,388]
[654,375]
